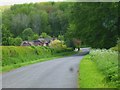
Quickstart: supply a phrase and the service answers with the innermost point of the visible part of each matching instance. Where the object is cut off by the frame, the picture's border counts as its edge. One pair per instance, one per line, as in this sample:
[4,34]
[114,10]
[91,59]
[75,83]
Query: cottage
[26,43]
[37,43]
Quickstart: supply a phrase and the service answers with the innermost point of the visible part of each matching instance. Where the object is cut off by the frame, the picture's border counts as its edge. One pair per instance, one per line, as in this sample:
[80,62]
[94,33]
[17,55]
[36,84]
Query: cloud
[12,2]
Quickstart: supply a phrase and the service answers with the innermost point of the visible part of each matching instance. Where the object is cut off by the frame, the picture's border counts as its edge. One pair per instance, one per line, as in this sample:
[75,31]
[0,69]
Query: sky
[12,2]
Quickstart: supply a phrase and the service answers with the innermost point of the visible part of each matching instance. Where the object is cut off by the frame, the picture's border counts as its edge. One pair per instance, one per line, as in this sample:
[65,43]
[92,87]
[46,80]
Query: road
[58,73]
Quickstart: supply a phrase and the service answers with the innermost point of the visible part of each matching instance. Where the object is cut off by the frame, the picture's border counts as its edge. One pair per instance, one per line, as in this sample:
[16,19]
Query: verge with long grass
[17,56]
[99,70]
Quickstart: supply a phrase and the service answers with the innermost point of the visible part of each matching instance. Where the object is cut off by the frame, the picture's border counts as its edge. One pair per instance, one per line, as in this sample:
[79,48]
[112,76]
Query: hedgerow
[20,54]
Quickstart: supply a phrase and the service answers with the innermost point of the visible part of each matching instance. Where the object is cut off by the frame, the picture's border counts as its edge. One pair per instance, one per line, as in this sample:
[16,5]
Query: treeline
[96,24]
[50,18]
[93,24]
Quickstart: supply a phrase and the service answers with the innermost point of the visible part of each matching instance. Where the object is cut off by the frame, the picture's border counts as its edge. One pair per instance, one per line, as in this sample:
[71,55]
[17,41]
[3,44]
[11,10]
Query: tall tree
[94,23]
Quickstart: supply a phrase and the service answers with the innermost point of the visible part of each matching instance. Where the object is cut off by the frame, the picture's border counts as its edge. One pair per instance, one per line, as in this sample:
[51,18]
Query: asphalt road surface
[57,73]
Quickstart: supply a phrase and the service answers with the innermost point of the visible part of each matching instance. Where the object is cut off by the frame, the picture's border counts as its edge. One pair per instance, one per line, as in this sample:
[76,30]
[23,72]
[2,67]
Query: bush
[61,37]
[117,47]
[6,36]
[58,45]
[27,34]
[17,41]
[11,40]
[44,35]
[35,37]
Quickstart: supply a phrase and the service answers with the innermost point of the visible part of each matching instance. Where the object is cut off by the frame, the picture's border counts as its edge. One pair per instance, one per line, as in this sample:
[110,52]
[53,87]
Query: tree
[27,34]
[51,18]
[11,41]
[35,37]
[19,23]
[61,37]
[83,21]
[17,41]
[77,43]
[44,35]
[91,20]
[6,36]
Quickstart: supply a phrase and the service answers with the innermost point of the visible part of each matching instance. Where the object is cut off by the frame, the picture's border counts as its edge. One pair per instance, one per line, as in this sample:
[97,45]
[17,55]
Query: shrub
[61,37]
[58,45]
[35,37]
[17,41]
[11,40]
[27,34]
[117,47]
[6,36]
[44,35]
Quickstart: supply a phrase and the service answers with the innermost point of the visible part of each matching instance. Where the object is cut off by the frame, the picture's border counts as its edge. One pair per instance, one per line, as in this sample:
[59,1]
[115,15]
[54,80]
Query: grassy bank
[14,57]
[89,75]
[99,69]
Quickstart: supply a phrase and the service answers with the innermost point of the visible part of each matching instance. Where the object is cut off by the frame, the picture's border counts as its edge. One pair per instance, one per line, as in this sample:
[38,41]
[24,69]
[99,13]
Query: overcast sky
[11,2]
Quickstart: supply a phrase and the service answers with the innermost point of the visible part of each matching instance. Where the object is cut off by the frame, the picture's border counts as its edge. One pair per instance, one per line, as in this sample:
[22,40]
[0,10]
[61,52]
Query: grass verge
[89,76]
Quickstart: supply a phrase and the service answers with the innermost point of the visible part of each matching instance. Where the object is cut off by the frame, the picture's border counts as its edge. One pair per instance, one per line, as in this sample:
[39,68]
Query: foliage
[117,47]
[107,63]
[58,45]
[6,36]
[40,17]
[11,41]
[35,37]
[17,56]
[77,43]
[13,55]
[2,8]
[44,35]
[89,76]
[27,34]
[61,37]
[17,41]
[94,24]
